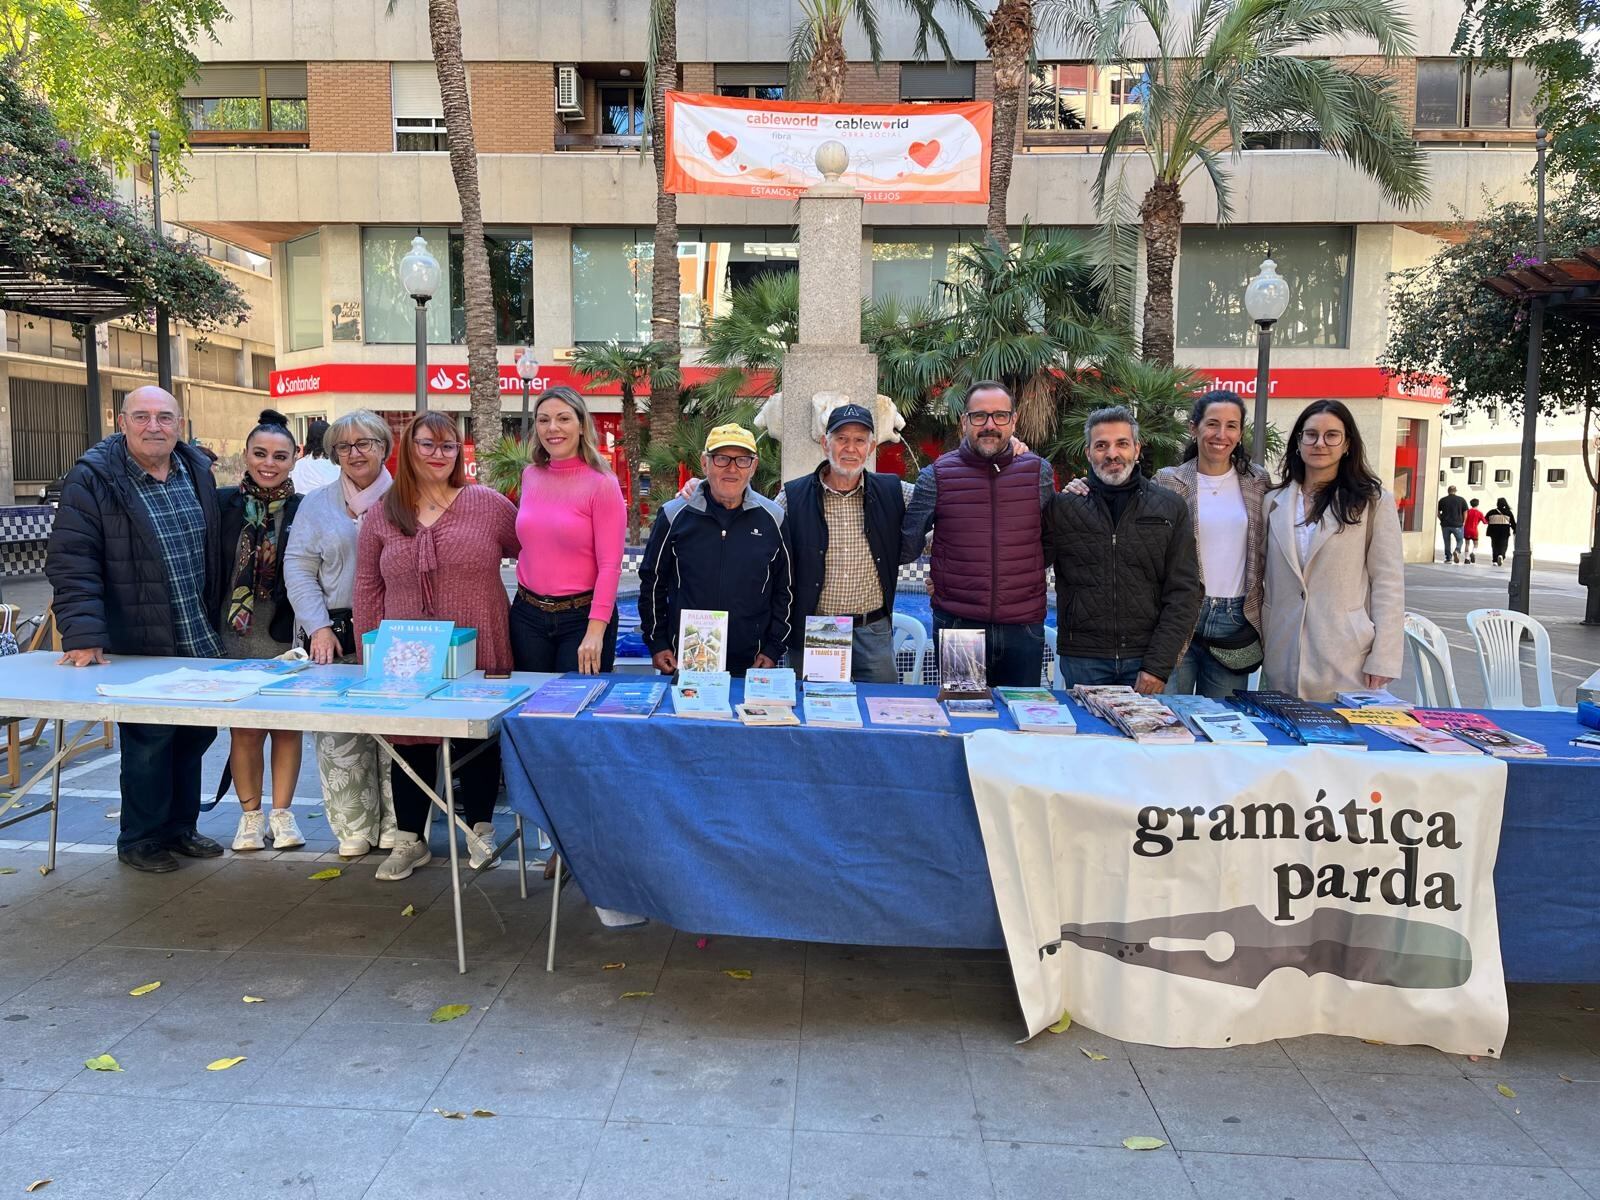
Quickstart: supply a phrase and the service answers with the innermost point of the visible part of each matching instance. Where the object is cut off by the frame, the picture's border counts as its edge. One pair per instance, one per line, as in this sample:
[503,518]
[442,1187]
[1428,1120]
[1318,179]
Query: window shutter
[752,74]
[416,90]
[936,81]
[286,83]
[219,82]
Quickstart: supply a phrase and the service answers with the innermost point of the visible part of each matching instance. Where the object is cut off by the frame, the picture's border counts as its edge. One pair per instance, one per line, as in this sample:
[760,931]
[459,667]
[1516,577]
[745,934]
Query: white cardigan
[1341,617]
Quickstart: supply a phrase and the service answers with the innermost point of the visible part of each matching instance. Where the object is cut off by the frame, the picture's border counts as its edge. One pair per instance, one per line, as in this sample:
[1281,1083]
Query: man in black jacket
[135,562]
[721,549]
[1127,576]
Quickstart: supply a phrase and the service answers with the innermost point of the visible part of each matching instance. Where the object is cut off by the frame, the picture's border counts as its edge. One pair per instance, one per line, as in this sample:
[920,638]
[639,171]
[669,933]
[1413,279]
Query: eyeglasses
[1310,437]
[165,420]
[733,460]
[429,448]
[365,445]
[998,419]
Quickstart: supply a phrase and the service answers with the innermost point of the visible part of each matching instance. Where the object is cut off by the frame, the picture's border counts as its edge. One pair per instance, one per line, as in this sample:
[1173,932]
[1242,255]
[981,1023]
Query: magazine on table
[1429,741]
[703,695]
[1034,716]
[1371,698]
[970,710]
[394,688]
[829,642]
[767,713]
[632,701]
[962,670]
[769,685]
[478,690]
[1380,715]
[189,685]
[412,649]
[918,711]
[561,698]
[702,640]
[311,683]
[1229,728]
[844,711]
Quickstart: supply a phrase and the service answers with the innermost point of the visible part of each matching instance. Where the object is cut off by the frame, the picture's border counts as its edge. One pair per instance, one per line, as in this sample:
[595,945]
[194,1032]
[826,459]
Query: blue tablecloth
[870,836]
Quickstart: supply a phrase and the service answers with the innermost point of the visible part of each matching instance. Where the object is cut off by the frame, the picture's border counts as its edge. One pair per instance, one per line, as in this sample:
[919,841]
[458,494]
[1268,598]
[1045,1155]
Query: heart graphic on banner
[923,153]
[720,144]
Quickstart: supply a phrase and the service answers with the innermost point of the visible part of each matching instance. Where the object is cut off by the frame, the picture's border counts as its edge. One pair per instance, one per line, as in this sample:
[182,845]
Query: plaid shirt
[180,524]
[850,586]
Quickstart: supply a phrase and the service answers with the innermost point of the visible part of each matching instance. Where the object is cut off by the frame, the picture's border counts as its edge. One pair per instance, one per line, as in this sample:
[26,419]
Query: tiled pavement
[831,1073]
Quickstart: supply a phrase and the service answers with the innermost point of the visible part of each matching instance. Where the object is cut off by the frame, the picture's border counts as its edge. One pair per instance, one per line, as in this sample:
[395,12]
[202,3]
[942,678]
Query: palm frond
[802,49]
[867,17]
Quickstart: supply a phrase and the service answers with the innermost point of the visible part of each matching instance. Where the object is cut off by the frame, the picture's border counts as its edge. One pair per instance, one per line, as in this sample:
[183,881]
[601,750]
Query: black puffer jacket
[104,561]
[1126,591]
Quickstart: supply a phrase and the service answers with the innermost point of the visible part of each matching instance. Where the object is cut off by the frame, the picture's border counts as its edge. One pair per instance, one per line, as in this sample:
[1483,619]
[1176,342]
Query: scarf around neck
[358,500]
[255,563]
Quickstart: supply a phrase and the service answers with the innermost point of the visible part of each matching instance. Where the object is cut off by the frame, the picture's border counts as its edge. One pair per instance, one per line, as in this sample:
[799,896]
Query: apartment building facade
[323,146]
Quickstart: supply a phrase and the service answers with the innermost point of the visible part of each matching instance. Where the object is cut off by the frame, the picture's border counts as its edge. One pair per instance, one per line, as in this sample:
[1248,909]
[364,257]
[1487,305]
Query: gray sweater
[319,567]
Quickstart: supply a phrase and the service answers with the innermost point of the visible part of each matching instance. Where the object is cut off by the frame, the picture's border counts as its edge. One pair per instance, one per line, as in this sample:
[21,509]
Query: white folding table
[35,686]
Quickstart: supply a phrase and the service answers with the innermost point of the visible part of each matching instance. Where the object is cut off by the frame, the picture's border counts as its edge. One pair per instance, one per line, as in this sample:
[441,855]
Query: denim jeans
[1456,534]
[1197,672]
[872,653]
[1101,670]
[160,781]
[549,641]
[1013,654]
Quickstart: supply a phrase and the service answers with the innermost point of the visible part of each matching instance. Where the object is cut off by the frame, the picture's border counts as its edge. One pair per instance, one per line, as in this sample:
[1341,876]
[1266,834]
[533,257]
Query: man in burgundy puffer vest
[984,502]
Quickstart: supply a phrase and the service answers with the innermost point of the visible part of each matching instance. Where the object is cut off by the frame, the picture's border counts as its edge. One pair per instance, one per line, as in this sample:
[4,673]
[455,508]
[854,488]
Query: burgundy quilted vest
[988,560]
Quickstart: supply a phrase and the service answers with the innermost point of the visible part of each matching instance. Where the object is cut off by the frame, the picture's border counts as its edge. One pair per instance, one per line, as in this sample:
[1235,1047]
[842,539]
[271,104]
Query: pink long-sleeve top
[448,571]
[572,523]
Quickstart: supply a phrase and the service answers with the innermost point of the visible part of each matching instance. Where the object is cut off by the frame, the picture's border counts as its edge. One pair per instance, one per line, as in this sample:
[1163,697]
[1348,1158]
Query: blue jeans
[1458,535]
[160,781]
[1197,672]
[1013,654]
[872,653]
[549,641]
[1101,670]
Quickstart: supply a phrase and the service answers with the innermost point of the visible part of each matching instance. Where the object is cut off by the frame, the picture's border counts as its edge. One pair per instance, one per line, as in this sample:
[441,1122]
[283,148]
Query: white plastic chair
[910,648]
[1430,662]
[1051,676]
[1499,633]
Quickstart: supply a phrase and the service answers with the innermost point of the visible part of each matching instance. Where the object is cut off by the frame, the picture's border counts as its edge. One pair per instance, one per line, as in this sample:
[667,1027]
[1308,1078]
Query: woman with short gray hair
[320,573]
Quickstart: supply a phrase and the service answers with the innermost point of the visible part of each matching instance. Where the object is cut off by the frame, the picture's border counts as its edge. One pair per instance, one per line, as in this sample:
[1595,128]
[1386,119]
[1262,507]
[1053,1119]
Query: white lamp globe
[527,365]
[1266,298]
[419,271]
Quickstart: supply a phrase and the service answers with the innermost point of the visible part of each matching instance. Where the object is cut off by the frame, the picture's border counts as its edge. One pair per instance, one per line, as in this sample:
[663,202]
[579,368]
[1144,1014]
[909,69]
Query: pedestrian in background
[315,469]
[1452,518]
[1502,524]
[1472,528]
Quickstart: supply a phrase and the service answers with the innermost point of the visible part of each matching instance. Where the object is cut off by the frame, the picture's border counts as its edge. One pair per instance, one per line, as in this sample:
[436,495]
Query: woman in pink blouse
[571,523]
[431,552]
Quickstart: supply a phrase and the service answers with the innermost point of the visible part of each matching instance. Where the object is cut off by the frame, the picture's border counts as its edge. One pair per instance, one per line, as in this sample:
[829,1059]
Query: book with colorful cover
[1429,741]
[909,710]
[1307,723]
[1371,698]
[1189,708]
[832,710]
[703,695]
[188,685]
[969,710]
[1023,695]
[769,685]
[819,688]
[767,713]
[632,701]
[481,691]
[412,649]
[1033,716]
[267,666]
[962,671]
[310,683]
[1400,718]
[1229,728]
[393,688]
[1452,719]
[829,643]
[702,640]
[561,698]
[1501,743]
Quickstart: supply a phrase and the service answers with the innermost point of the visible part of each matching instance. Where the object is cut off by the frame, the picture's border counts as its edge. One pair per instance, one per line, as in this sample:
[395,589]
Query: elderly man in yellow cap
[721,548]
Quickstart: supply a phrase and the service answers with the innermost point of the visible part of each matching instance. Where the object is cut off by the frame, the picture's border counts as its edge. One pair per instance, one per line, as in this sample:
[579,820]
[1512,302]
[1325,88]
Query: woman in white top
[1225,493]
[1334,608]
[314,470]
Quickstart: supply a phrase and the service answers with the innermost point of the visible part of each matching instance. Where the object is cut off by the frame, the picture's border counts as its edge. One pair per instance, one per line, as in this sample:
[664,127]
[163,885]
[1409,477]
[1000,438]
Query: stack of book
[1371,698]
[1479,732]
[632,701]
[916,711]
[702,695]
[1215,721]
[832,708]
[1036,710]
[561,698]
[1302,720]
[1145,719]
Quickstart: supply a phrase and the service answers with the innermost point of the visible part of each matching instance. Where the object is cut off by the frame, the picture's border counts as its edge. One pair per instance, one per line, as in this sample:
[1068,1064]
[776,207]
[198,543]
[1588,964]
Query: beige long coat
[1340,617]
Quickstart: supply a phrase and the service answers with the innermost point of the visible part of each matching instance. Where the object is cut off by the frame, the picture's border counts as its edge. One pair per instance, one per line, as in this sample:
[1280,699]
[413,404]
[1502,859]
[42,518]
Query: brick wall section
[863,85]
[699,77]
[1402,76]
[348,108]
[511,102]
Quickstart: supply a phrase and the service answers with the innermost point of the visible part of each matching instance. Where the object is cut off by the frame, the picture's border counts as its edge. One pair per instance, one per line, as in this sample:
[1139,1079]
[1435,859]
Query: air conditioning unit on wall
[569,93]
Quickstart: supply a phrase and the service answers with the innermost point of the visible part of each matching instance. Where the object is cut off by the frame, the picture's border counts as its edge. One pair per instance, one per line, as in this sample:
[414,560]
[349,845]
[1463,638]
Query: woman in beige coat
[1334,607]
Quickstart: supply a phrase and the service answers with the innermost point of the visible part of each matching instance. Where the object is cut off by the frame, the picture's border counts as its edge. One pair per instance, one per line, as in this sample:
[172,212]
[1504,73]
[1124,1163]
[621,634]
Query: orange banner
[899,153]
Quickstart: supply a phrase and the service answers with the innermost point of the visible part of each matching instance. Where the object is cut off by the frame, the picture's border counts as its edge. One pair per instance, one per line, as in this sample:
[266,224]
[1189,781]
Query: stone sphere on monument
[832,158]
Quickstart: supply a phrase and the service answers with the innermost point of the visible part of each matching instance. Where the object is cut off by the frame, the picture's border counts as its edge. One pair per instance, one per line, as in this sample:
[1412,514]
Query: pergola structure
[1570,287]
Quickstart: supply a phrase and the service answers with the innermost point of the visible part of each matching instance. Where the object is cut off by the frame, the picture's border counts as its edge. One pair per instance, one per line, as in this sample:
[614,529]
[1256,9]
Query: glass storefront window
[1215,265]
[391,315]
[910,264]
[511,284]
[302,260]
[1410,469]
[611,284]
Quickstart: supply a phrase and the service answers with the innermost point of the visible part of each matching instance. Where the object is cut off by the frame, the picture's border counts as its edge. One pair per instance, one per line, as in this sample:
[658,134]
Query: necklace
[1213,483]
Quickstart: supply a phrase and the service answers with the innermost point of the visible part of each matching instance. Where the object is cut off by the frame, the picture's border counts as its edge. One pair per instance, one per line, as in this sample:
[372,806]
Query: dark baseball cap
[851,414]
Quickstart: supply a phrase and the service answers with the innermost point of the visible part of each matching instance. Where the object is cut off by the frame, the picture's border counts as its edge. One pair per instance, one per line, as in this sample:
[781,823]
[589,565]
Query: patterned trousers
[356,793]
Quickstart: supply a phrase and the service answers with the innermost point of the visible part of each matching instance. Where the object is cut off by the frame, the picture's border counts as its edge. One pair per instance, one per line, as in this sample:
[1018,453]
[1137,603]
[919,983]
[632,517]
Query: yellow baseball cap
[730,435]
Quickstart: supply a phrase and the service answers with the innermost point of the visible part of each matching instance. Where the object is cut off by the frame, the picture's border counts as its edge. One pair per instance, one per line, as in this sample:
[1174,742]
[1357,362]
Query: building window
[511,287]
[132,350]
[302,262]
[1502,475]
[1456,95]
[246,100]
[1556,477]
[1077,95]
[1457,419]
[1494,414]
[1216,264]
[752,81]
[418,109]
[622,109]
[391,315]
[1410,469]
[1458,462]
[1475,473]
[1283,139]
[213,363]
[936,83]
[910,265]
[261,368]
[751,91]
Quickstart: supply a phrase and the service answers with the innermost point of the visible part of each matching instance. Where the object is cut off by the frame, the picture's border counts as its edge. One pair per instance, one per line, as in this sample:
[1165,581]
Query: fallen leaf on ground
[115,812]
[451,1116]
[43,871]
[144,989]
[483,1112]
[37,1184]
[613,966]
[222,1064]
[1472,1058]
[449,1012]
[701,943]
[8,870]
[1062,1025]
[102,1062]
[1092,1055]
[409,910]
[1373,1042]
[330,873]
[1505,1091]
[1565,1078]
[254,1000]
[1143,1143]
[636,995]
[739,974]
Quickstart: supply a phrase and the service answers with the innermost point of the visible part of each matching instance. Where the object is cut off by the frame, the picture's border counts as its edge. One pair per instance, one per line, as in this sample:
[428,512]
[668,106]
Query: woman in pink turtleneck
[571,522]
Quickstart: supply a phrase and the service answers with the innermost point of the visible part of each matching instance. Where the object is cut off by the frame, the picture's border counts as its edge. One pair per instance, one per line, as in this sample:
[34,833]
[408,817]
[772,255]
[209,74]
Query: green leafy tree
[817,50]
[632,368]
[1558,38]
[1219,70]
[681,450]
[111,70]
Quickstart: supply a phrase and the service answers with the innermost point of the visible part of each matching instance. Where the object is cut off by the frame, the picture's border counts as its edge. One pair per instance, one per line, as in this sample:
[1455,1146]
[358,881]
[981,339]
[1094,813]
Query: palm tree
[680,452]
[761,322]
[1225,68]
[816,48]
[661,76]
[653,365]
[1008,33]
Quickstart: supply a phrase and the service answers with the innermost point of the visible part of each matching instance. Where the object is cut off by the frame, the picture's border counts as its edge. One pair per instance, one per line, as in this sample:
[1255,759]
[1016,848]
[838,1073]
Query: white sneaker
[286,834]
[482,844]
[386,839]
[353,847]
[409,853]
[252,831]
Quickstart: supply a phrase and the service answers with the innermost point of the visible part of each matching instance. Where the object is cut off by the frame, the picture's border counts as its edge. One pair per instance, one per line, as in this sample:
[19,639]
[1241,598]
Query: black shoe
[149,857]
[194,845]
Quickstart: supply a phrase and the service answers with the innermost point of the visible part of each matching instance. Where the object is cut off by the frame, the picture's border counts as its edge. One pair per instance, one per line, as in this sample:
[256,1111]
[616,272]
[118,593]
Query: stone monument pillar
[828,362]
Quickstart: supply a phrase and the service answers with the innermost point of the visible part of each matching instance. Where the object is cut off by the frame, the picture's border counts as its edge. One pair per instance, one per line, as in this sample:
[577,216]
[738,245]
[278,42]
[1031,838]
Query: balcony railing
[597,141]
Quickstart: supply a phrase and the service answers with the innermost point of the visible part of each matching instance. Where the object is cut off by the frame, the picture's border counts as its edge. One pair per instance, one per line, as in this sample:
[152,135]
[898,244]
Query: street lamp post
[419,275]
[527,371]
[1266,298]
[163,328]
[1522,556]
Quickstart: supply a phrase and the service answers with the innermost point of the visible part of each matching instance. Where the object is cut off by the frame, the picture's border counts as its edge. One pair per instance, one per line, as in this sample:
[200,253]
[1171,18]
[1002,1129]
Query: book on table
[291,663]
[1145,719]
[829,644]
[310,683]
[393,688]
[962,671]
[1189,707]
[1374,714]
[769,685]
[561,698]
[970,710]
[843,711]
[1229,728]
[767,713]
[1480,732]
[1429,741]
[1034,716]
[703,695]
[412,649]
[188,685]
[631,701]
[349,703]
[1023,695]
[702,640]
[1307,723]
[1371,698]
[916,711]
[843,687]
[477,690]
